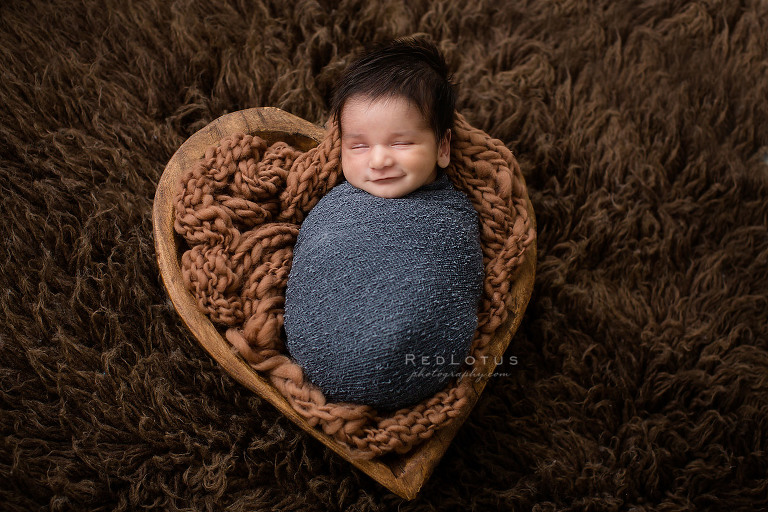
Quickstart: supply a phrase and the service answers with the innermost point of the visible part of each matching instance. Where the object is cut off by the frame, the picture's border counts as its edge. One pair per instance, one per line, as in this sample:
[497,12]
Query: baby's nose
[380,158]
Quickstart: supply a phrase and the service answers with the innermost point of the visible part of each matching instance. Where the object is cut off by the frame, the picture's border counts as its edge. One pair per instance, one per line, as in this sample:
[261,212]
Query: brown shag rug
[639,377]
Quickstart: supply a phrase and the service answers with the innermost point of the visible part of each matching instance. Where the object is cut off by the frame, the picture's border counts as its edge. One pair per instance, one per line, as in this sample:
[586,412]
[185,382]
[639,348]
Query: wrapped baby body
[381,302]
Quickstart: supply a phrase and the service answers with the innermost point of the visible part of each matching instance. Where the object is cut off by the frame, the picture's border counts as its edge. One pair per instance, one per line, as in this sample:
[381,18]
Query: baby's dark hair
[409,67]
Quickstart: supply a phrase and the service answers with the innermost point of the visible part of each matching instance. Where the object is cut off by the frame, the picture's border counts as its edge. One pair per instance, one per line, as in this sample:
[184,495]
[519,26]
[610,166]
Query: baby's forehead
[358,107]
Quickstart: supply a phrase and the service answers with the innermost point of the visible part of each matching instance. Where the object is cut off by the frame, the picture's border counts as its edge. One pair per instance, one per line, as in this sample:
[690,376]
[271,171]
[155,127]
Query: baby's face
[387,147]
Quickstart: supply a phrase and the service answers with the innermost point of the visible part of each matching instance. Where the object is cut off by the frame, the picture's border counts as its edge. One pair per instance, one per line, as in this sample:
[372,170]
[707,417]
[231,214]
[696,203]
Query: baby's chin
[387,194]
[389,189]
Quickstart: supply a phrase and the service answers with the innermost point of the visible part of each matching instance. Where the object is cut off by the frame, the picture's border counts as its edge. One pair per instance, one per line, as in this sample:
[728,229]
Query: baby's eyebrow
[394,135]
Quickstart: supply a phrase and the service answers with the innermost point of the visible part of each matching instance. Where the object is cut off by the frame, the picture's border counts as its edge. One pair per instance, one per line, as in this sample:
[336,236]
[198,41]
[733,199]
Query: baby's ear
[444,150]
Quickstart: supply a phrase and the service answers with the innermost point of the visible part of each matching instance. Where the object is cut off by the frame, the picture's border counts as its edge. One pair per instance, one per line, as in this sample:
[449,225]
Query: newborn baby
[381,302]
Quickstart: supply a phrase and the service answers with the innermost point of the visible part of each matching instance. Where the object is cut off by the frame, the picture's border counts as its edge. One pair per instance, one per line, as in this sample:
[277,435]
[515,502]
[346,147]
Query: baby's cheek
[348,166]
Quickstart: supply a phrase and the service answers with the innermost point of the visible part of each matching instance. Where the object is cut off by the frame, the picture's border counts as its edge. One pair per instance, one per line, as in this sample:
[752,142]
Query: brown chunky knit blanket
[638,379]
[240,208]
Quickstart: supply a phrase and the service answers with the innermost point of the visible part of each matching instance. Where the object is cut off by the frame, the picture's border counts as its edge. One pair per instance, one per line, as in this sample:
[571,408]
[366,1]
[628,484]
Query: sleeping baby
[381,302]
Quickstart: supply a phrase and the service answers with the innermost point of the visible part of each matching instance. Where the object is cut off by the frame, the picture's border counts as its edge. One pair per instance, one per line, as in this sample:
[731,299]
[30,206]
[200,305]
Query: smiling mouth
[386,180]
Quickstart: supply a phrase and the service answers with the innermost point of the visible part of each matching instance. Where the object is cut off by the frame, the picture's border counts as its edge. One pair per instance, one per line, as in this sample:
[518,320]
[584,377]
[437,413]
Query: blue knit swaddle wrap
[381,302]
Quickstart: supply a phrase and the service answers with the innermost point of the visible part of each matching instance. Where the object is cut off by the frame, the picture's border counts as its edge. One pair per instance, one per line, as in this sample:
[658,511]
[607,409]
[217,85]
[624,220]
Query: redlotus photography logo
[442,367]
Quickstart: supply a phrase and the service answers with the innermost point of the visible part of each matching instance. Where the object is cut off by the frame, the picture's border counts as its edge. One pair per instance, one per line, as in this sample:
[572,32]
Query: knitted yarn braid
[239,209]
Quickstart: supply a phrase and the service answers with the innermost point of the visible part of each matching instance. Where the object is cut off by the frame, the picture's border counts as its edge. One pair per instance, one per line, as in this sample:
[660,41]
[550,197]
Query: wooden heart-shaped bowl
[402,474]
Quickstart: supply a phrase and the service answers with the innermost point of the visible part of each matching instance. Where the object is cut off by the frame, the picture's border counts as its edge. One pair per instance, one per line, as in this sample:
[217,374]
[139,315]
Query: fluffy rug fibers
[639,377]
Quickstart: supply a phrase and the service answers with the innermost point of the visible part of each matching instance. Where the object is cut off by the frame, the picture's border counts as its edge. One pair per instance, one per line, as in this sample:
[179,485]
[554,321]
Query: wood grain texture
[402,474]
